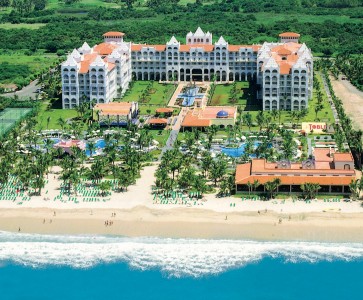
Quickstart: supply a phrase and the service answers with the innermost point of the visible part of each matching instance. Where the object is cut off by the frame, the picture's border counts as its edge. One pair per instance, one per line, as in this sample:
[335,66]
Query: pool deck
[179,89]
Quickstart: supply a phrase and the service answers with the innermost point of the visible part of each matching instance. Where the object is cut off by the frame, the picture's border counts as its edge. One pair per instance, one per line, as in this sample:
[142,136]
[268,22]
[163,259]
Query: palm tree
[272,186]
[247,120]
[48,121]
[200,184]
[104,186]
[61,122]
[309,190]
[91,147]
[354,187]
[260,119]
[249,186]
[318,107]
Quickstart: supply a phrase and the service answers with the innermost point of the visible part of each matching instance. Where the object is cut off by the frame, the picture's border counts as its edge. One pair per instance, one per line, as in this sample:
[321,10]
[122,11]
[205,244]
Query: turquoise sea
[96,267]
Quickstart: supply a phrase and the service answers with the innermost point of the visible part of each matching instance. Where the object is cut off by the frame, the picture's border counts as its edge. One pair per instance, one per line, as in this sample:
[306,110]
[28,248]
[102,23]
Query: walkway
[175,130]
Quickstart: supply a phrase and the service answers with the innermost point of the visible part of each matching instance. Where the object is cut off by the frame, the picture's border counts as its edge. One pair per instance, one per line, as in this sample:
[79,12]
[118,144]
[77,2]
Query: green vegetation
[48,118]
[21,26]
[20,67]
[150,95]
[222,94]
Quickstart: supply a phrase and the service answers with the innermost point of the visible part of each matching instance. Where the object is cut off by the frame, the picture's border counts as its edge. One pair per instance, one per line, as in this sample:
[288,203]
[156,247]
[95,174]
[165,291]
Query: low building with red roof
[116,113]
[332,171]
[200,117]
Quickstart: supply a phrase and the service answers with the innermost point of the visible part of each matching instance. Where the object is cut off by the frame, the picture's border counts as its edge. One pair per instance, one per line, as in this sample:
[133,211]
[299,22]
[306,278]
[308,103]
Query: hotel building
[332,171]
[283,71]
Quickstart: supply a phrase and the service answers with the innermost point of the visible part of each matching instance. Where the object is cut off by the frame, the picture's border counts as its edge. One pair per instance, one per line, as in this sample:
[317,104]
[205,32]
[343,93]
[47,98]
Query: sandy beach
[138,214]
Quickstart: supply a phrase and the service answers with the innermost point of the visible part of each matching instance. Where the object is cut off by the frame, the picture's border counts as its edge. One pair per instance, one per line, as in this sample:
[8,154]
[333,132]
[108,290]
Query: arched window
[93,70]
[65,70]
[189,40]
[73,70]
[207,40]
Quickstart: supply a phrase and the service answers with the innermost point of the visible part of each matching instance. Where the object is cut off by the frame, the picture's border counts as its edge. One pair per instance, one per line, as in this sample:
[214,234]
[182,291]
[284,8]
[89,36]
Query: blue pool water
[189,96]
[98,144]
[70,267]
[237,152]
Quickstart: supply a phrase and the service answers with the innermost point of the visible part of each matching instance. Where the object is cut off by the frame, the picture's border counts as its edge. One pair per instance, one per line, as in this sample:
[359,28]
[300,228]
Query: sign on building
[316,127]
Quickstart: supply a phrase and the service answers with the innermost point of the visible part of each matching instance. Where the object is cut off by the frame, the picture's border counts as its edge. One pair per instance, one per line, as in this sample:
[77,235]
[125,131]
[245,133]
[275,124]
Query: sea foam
[174,257]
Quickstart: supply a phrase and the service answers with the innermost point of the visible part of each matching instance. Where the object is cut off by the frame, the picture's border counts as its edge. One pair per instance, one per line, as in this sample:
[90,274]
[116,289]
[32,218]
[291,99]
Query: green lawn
[159,95]
[222,91]
[21,26]
[36,62]
[54,115]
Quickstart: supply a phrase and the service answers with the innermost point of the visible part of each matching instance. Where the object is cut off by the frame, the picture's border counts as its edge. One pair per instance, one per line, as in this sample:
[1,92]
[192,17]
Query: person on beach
[54,214]
[280,221]
[19,229]
[43,221]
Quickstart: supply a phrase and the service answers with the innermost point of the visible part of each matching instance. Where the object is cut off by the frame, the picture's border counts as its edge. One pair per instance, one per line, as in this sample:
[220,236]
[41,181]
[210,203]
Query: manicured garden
[223,94]
[53,115]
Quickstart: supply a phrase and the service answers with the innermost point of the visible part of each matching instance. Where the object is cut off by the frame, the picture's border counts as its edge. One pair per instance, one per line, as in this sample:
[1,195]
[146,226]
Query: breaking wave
[174,257]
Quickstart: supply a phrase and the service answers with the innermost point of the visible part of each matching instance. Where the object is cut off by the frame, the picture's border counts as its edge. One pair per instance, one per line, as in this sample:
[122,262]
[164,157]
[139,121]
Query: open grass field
[35,63]
[158,96]
[21,26]
[269,18]
[54,115]
[9,116]
[222,91]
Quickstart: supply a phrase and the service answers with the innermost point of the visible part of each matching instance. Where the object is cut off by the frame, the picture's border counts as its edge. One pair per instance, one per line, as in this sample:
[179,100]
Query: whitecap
[174,257]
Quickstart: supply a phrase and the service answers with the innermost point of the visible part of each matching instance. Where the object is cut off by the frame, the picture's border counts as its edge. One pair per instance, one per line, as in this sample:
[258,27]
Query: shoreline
[187,223]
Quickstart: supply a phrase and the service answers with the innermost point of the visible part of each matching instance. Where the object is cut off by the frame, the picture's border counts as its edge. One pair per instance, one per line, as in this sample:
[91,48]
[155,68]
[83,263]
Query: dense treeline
[327,37]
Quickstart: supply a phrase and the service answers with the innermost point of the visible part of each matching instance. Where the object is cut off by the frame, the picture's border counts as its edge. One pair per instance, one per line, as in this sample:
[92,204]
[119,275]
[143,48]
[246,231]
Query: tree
[247,120]
[104,186]
[318,107]
[260,119]
[271,186]
[309,190]
[200,184]
[4,3]
[354,187]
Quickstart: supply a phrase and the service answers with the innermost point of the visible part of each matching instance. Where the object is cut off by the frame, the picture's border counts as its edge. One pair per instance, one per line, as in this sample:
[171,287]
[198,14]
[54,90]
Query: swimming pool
[189,96]
[99,144]
[237,152]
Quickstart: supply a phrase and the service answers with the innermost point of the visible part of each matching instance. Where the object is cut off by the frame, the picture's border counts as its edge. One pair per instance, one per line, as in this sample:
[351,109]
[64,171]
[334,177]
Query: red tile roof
[113,108]
[157,121]
[87,60]
[289,34]
[113,33]
[259,169]
[164,110]
[343,157]
[105,48]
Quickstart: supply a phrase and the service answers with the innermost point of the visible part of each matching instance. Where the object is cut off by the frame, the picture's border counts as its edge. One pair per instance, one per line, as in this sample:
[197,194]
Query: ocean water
[97,267]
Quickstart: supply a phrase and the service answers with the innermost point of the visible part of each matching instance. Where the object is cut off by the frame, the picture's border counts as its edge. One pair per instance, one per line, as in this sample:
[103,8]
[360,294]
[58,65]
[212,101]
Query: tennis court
[9,116]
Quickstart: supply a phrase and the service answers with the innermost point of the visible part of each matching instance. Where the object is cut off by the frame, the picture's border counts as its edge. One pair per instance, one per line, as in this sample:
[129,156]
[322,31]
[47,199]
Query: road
[28,91]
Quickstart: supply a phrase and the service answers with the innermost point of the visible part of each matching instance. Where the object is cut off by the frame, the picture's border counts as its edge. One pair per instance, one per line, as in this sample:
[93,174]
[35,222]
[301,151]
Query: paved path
[310,149]
[175,130]
[28,91]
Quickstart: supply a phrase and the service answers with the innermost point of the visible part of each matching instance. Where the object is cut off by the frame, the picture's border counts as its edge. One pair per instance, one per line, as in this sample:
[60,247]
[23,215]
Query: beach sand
[220,218]
[188,223]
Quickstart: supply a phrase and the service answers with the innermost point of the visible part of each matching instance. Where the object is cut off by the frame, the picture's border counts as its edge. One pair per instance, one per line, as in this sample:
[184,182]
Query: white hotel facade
[283,71]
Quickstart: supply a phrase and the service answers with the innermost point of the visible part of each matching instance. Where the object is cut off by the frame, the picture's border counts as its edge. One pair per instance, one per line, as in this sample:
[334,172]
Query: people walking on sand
[226,218]
[54,214]
[280,221]
[258,212]
[43,221]
[19,229]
